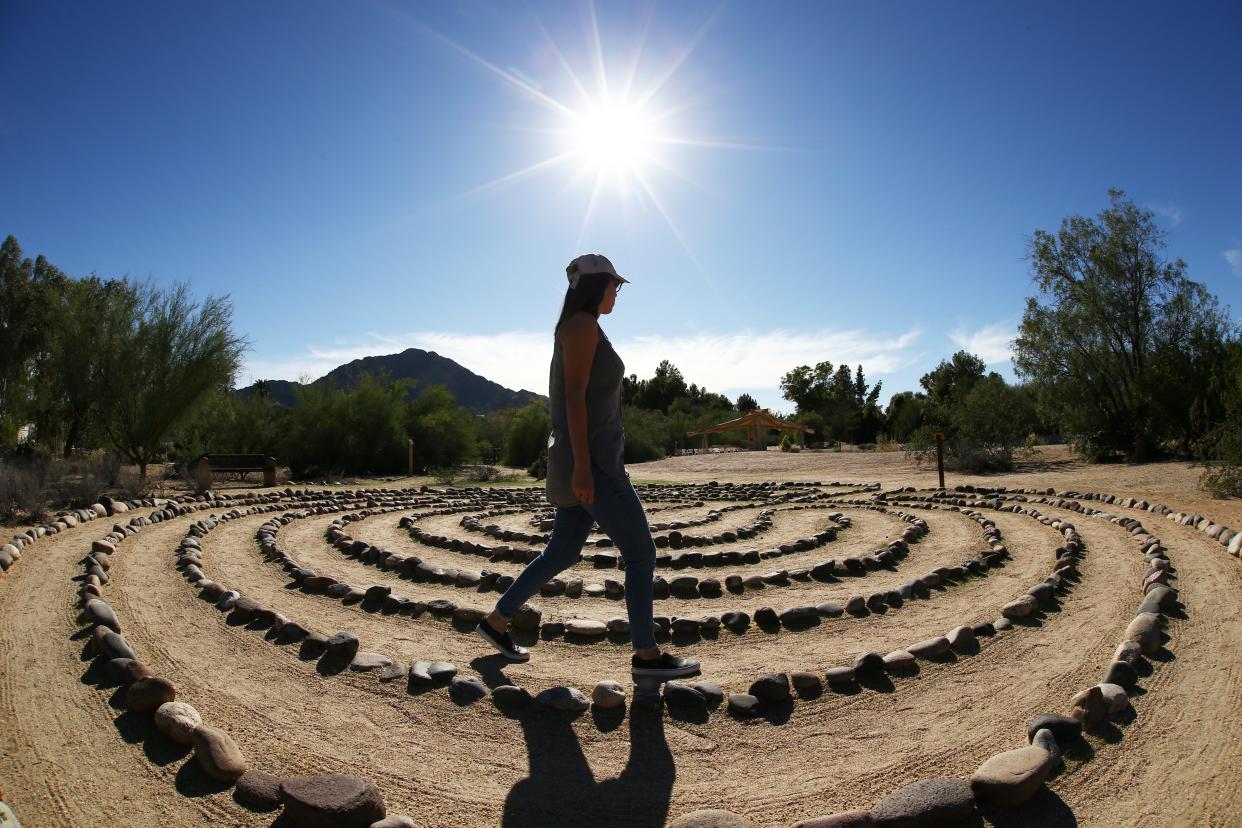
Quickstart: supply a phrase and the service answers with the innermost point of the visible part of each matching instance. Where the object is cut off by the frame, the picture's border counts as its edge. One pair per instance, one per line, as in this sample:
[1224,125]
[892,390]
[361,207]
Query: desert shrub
[886,443]
[787,443]
[22,490]
[79,482]
[539,468]
[445,475]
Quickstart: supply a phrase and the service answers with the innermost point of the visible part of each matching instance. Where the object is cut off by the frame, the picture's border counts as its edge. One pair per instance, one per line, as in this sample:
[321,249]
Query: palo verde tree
[1111,318]
[157,365]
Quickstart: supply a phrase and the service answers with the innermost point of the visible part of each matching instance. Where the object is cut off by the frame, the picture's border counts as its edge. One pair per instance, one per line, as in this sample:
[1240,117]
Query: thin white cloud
[1234,257]
[991,343]
[1170,211]
[724,363]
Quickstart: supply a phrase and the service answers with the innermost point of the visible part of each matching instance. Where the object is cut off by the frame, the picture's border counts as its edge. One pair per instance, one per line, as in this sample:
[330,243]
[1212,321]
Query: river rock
[467,689]
[608,695]
[147,694]
[331,801]
[342,645]
[743,704]
[1088,707]
[1129,652]
[962,639]
[683,696]
[866,664]
[564,698]
[98,612]
[115,646]
[1044,739]
[1115,697]
[1145,630]
[772,688]
[931,648]
[1011,778]
[1063,728]
[1121,674]
[177,720]
[218,754]
[258,791]
[586,628]
[509,697]
[928,802]
[711,819]
[365,662]
[900,661]
[847,819]
[1021,608]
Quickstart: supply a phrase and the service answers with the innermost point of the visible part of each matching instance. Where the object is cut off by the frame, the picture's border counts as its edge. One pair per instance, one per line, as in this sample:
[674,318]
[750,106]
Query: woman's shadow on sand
[561,791]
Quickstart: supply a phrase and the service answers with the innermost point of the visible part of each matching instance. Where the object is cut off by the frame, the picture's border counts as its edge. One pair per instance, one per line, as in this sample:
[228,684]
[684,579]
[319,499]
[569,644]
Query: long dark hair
[585,297]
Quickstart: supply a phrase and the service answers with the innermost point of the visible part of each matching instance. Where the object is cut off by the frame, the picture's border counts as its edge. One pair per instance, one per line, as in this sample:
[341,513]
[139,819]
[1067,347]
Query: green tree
[1111,314]
[29,296]
[527,440]
[905,413]
[68,370]
[846,402]
[659,392]
[745,402]
[445,434]
[156,368]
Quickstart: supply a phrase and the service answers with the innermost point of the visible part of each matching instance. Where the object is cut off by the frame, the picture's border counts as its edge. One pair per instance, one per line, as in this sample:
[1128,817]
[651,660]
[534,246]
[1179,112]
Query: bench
[203,466]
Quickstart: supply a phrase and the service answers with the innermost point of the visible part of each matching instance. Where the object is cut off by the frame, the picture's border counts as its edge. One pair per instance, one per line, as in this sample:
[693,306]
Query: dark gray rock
[342,645]
[772,688]
[928,802]
[1063,728]
[743,704]
[331,801]
[467,689]
[1121,674]
[258,791]
[683,696]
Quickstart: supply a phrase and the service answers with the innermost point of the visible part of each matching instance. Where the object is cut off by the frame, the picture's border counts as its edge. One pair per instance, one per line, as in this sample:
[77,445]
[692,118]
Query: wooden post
[705,444]
[940,456]
[410,455]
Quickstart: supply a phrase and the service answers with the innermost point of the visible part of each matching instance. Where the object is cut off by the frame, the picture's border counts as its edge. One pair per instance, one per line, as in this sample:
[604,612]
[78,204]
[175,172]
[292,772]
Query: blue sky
[851,182]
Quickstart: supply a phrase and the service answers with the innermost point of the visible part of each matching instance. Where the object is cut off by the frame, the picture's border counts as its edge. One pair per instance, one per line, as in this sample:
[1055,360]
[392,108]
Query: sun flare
[612,136]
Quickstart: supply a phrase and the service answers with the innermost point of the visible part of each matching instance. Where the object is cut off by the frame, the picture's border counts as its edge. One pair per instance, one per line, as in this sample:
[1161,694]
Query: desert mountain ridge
[426,368]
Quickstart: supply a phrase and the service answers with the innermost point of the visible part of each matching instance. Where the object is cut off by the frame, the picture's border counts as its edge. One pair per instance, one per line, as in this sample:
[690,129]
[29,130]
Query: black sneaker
[502,642]
[666,665]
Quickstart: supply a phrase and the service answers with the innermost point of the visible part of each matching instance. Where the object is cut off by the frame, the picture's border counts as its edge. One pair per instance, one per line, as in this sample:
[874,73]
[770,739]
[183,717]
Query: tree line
[1118,351]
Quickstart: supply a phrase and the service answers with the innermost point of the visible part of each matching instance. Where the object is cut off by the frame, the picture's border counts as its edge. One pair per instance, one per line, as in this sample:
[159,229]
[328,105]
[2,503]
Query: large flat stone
[1012,777]
[711,819]
[331,801]
[928,802]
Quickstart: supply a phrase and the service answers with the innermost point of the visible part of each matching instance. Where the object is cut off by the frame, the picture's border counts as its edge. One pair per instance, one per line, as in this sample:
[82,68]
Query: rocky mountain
[425,368]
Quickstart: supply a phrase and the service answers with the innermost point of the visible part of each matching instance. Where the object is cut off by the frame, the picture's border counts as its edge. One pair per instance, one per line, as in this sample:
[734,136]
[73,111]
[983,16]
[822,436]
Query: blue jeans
[620,514]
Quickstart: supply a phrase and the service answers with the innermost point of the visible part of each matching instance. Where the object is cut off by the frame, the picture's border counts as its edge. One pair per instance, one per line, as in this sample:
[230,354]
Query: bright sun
[612,136]
[610,132]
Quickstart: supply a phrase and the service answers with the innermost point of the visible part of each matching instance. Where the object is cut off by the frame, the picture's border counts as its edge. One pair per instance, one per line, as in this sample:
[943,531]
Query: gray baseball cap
[591,263]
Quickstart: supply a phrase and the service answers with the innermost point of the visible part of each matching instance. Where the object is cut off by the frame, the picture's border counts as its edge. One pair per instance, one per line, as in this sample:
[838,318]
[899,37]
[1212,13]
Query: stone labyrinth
[948,654]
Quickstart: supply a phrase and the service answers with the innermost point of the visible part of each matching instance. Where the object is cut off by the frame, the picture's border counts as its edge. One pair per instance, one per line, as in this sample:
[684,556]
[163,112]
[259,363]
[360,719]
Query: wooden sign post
[940,456]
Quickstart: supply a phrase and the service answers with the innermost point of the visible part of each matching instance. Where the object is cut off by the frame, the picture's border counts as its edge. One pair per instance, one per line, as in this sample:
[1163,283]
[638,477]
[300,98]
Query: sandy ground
[73,757]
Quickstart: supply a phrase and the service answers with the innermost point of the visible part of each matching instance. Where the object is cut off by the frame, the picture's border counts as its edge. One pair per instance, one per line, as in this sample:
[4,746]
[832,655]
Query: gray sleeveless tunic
[605,430]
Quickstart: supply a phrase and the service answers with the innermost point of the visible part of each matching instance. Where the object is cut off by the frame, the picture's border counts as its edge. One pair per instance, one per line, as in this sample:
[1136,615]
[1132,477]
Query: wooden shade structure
[755,423]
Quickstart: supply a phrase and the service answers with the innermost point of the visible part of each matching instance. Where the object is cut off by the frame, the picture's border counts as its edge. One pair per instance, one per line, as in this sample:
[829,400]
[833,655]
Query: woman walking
[587,481]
